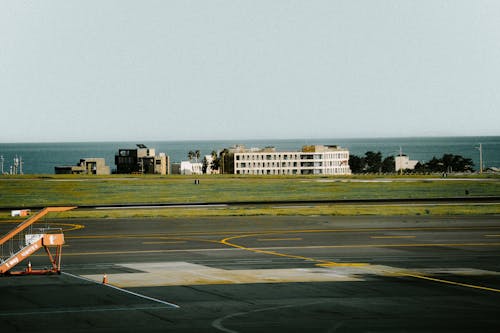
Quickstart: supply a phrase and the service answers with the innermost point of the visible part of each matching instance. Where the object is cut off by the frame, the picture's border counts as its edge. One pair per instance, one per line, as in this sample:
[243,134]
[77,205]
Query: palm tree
[197,154]
[191,155]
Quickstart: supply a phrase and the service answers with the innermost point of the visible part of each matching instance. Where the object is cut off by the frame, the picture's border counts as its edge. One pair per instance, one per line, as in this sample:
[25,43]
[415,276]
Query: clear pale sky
[175,70]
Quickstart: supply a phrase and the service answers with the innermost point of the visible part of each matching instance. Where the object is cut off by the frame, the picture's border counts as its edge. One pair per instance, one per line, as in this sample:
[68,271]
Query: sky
[101,70]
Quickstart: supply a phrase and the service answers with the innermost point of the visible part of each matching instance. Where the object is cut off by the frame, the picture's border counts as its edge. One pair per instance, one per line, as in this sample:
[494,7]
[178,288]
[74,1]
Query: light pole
[480,148]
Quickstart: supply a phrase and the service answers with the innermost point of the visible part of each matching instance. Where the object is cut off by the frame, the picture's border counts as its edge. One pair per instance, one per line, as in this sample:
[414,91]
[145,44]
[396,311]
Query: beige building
[87,166]
[311,160]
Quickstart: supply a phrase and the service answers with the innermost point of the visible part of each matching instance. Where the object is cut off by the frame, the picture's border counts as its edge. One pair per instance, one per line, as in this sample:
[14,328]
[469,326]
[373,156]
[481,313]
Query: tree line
[372,162]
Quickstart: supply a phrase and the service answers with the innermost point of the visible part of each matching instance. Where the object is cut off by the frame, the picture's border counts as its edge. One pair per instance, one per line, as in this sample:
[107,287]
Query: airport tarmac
[264,274]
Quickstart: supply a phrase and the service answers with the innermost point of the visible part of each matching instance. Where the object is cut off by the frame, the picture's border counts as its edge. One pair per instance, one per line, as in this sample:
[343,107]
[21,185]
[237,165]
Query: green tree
[388,164]
[356,164]
[373,162]
[215,160]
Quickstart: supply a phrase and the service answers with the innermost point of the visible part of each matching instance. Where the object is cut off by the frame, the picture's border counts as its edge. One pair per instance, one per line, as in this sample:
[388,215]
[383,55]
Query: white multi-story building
[311,160]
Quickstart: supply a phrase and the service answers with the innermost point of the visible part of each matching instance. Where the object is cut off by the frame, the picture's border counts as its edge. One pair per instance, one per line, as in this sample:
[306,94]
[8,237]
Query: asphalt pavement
[264,274]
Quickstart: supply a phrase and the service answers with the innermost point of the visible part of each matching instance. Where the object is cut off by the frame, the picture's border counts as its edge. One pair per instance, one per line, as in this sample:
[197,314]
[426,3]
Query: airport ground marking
[278,239]
[423,277]
[318,262]
[326,263]
[218,322]
[277,231]
[82,310]
[164,242]
[391,237]
[124,290]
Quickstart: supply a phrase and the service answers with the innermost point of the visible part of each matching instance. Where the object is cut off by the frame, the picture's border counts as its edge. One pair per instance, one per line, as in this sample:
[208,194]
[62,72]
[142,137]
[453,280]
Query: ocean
[41,158]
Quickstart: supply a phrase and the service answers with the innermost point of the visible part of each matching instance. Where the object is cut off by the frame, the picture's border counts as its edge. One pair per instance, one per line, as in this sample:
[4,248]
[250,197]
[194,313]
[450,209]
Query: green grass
[324,210]
[29,191]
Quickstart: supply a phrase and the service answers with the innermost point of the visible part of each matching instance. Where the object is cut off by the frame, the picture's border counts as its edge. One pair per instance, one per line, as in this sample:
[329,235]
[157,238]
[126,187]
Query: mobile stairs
[24,240]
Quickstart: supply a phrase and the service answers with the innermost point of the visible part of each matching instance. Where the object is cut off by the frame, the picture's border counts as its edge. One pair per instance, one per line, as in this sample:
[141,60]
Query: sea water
[41,158]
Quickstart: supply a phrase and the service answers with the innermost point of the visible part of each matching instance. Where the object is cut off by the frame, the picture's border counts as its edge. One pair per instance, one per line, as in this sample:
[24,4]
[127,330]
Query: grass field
[30,191]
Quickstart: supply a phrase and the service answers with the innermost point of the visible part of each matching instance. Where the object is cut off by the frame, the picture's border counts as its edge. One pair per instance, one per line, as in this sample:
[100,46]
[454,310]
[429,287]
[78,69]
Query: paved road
[265,274]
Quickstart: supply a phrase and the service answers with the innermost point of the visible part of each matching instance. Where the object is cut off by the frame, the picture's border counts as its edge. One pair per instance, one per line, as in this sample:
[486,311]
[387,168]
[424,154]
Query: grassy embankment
[28,191]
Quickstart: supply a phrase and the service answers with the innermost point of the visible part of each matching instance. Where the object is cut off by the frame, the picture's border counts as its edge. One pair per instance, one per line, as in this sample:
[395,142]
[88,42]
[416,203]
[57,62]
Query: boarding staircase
[24,240]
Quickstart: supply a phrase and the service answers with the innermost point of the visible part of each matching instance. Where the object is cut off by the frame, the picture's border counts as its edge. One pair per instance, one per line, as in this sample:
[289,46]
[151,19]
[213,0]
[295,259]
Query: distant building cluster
[310,160]
[140,160]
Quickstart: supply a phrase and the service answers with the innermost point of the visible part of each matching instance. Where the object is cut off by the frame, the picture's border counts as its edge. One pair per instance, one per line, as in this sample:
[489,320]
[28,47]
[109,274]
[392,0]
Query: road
[264,274]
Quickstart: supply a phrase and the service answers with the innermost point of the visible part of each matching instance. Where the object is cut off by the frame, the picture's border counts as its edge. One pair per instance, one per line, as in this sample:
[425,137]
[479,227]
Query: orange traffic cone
[104,279]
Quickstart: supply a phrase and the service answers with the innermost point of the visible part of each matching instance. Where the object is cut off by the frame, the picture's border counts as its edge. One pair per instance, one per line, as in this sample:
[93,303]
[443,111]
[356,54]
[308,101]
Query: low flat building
[311,160]
[86,166]
[403,162]
[190,168]
[141,160]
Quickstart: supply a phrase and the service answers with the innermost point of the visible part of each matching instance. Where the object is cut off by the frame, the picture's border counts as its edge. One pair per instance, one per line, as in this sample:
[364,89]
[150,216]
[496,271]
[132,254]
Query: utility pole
[480,148]
[21,165]
[400,160]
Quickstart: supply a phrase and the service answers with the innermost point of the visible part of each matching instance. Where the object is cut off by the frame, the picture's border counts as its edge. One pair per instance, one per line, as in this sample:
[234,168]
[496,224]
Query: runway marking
[225,241]
[278,239]
[272,232]
[491,235]
[80,310]
[124,290]
[325,263]
[423,277]
[395,237]
[72,225]
[164,242]
[171,273]
[218,322]
[266,250]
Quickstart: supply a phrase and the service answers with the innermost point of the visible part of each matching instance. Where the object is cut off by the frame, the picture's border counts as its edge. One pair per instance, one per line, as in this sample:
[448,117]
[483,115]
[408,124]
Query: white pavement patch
[183,273]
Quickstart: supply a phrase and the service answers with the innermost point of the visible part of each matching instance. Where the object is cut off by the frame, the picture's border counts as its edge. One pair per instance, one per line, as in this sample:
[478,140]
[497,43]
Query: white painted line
[125,291]
[218,322]
[80,310]
[389,237]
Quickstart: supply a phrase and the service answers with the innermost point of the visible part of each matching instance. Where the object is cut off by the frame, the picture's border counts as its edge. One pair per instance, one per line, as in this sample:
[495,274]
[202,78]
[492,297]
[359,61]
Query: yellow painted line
[265,251]
[325,263]
[395,237]
[226,241]
[282,232]
[451,282]
[71,225]
[383,245]
[172,242]
[278,239]
[491,235]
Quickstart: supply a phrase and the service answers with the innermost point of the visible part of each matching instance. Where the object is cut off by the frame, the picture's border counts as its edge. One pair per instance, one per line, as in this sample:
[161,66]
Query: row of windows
[298,156]
[288,164]
[328,171]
